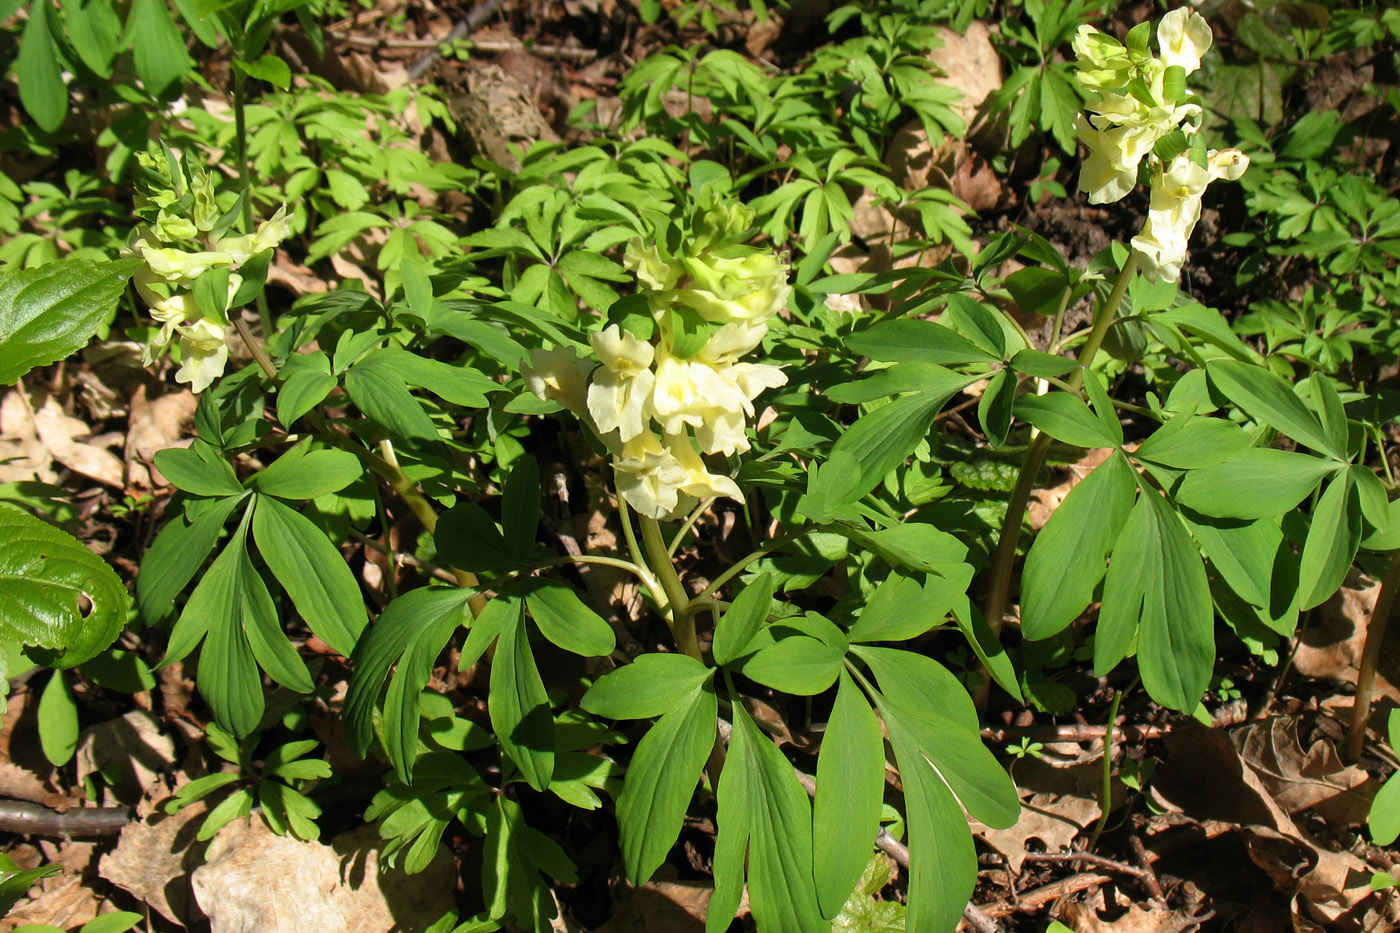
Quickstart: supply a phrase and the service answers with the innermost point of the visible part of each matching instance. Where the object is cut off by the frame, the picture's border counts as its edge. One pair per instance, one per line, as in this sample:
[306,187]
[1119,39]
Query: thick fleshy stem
[1370,658]
[1005,555]
[682,621]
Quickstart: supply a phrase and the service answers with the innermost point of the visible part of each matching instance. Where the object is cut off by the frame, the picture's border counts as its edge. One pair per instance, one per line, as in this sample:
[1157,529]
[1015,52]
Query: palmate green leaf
[742,620]
[850,792]
[520,508]
[913,341]
[519,706]
[1333,539]
[93,28]
[565,621]
[51,312]
[1267,398]
[274,653]
[179,551]
[794,662]
[934,708]
[301,473]
[199,469]
[381,393]
[312,572]
[915,546]
[41,90]
[904,607]
[418,625]
[161,60]
[1243,552]
[1157,589]
[1259,482]
[651,685]
[1187,442]
[55,594]
[1069,556]
[1066,418]
[764,811]
[662,776]
[307,380]
[58,720]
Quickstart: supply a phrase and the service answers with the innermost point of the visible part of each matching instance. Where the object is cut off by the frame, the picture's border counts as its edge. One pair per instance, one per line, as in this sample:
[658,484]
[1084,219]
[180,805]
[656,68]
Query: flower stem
[1005,556]
[1106,801]
[682,622]
[1370,658]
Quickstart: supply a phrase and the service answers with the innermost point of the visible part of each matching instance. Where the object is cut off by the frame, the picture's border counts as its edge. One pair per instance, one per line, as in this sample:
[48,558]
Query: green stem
[1005,556]
[1370,658]
[1107,793]
[682,623]
[245,177]
[738,568]
[688,524]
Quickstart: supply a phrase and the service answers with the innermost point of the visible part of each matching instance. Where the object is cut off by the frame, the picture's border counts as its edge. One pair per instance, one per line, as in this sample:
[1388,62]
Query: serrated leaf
[55,594]
[51,312]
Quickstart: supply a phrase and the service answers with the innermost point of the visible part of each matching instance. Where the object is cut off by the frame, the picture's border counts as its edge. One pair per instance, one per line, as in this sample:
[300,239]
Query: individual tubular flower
[203,353]
[1176,207]
[649,476]
[1183,37]
[558,375]
[620,394]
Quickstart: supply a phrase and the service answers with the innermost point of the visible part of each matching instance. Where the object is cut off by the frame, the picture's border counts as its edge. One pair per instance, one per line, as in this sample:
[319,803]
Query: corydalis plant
[1140,110]
[667,386]
[195,272]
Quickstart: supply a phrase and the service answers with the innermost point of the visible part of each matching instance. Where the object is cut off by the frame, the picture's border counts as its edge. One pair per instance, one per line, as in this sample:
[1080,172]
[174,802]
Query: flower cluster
[668,385]
[1139,109]
[182,244]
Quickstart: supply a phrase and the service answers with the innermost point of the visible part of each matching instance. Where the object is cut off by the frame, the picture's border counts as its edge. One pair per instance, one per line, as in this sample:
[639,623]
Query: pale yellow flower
[558,375]
[1176,207]
[649,476]
[203,354]
[1183,36]
[619,397]
[269,234]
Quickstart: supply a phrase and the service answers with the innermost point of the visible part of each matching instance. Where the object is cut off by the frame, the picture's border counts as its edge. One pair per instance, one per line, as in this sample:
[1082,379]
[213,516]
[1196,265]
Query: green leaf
[850,793]
[1037,290]
[1258,483]
[908,340]
[519,707]
[181,548]
[161,60]
[978,322]
[273,652]
[987,646]
[1333,538]
[1265,397]
[93,28]
[651,685]
[1065,418]
[1187,442]
[661,780]
[743,619]
[307,380]
[565,621]
[267,68]
[198,469]
[118,921]
[468,539]
[794,663]
[904,607]
[236,806]
[307,474]
[44,95]
[312,572]
[1069,556]
[58,720]
[55,594]
[1156,586]
[381,393]
[994,407]
[49,313]
[520,508]
[915,545]
[228,675]
[763,808]
[1040,364]
[411,626]
[1384,819]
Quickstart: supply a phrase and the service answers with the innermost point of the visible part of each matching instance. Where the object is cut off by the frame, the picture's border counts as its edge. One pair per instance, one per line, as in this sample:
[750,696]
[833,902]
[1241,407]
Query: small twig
[401,557]
[31,819]
[1370,658]
[1144,858]
[979,921]
[1038,897]
[463,28]
[1088,858]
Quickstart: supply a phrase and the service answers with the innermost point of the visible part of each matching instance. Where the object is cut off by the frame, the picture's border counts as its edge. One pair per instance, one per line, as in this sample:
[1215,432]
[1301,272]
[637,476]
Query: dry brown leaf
[970,64]
[23,457]
[60,900]
[1295,778]
[1332,647]
[1139,918]
[131,746]
[253,879]
[59,434]
[1056,805]
[154,425]
[153,859]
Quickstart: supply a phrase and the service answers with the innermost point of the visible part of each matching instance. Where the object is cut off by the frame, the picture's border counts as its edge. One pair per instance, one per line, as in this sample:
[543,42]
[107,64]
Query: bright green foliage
[52,312]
